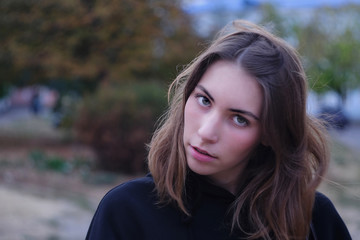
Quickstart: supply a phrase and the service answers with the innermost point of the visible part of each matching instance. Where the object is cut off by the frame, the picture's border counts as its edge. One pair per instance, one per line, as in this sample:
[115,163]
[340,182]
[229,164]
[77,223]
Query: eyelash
[200,98]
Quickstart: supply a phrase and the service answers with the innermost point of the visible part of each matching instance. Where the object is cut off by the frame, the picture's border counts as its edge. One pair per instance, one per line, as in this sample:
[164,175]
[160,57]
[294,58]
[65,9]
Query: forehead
[231,86]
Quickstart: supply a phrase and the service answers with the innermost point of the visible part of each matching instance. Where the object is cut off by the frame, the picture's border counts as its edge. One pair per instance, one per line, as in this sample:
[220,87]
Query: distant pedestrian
[35,103]
[237,156]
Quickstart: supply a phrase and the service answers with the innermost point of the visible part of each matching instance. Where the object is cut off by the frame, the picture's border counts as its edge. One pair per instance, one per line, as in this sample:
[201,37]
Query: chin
[198,167]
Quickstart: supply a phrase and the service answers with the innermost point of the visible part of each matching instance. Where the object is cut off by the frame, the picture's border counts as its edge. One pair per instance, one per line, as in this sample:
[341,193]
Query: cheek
[190,115]
[190,107]
[244,142]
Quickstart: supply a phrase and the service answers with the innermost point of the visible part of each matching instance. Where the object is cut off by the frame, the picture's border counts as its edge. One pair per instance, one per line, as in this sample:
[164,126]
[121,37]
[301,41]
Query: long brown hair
[280,180]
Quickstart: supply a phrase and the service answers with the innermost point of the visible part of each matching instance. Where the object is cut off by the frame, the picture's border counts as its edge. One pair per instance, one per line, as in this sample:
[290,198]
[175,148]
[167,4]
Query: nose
[209,128]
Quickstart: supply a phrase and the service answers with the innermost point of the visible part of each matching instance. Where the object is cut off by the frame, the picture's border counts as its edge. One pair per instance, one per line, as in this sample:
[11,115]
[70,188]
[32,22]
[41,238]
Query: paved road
[26,216]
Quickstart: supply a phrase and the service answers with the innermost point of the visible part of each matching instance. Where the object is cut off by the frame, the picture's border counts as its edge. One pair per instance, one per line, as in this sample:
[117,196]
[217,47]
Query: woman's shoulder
[132,189]
[122,208]
[326,221]
[134,185]
[323,207]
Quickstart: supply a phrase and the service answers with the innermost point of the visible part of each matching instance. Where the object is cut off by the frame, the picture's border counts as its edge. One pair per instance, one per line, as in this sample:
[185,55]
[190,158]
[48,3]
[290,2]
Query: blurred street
[27,216]
[37,204]
[350,136]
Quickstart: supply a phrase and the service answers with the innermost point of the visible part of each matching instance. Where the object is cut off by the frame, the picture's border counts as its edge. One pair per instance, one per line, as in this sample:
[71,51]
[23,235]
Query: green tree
[270,16]
[327,38]
[330,44]
[46,41]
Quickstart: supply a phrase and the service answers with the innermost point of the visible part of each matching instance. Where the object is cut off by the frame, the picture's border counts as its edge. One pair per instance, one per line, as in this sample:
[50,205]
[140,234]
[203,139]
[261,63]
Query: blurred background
[83,82]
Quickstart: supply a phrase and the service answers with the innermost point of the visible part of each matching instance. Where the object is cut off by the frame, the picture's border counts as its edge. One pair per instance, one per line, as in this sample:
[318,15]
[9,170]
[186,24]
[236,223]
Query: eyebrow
[245,113]
[206,92]
[231,109]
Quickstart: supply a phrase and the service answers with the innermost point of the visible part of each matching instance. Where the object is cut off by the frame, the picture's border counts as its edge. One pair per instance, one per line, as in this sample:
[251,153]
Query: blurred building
[25,97]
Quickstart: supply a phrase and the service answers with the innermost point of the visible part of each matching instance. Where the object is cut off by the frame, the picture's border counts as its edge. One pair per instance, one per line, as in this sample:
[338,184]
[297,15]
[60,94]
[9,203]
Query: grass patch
[42,161]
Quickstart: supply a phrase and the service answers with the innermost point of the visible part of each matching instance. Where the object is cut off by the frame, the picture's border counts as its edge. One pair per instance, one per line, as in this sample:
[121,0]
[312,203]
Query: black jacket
[130,212]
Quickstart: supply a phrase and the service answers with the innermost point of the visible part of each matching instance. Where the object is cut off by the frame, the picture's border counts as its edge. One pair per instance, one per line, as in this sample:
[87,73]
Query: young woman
[236,156]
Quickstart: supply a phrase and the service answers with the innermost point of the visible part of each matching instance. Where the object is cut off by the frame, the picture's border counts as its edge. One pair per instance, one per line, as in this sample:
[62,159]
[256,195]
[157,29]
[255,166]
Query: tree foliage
[92,39]
[328,39]
[330,44]
[119,123]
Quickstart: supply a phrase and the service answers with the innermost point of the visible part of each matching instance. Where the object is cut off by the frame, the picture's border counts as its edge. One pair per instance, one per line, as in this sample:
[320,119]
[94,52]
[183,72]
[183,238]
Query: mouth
[203,152]
[201,155]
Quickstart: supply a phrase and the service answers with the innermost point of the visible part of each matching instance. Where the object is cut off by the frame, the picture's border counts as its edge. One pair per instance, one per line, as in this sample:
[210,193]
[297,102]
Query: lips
[201,155]
[201,151]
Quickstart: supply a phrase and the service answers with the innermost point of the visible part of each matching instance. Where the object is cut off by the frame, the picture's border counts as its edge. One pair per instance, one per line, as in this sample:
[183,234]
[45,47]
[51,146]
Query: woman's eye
[240,121]
[203,101]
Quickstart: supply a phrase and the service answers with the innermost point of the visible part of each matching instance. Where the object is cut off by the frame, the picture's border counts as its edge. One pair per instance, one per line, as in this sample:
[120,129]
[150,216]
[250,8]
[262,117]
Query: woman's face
[221,123]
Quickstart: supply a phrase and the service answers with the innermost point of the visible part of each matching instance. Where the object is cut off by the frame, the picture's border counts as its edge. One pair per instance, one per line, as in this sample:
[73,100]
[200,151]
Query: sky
[204,10]
[196,6]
